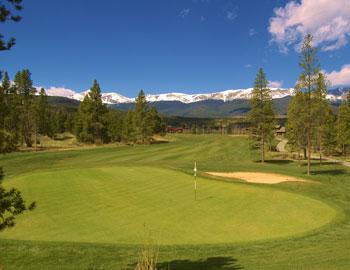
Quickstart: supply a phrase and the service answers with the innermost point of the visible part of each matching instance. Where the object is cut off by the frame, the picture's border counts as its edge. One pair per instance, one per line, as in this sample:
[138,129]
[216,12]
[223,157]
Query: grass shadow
[62,137]
[279,161]
[331,172]
[315,162]
[212,263]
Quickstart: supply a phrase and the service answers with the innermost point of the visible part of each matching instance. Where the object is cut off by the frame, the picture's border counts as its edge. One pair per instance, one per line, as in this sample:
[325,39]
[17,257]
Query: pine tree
[11,205]
[319,113]
[261,115]
[89,122]
[4,89]
[329,133]
[295,128]
[26,92]
[307,83]
[12,120]
[98,110]
[154,123]
[114,124]
[129,127]
[343,125]
[43,113]
[141,110]
[7,14]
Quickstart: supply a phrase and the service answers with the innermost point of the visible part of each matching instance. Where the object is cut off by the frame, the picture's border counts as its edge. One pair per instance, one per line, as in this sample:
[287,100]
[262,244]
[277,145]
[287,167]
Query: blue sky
[186,46]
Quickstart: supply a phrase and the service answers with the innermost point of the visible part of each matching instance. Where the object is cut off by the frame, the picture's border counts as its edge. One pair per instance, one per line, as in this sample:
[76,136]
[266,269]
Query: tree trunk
[320,140]
[262,148]
[304,149]
[320,154]
[308,151]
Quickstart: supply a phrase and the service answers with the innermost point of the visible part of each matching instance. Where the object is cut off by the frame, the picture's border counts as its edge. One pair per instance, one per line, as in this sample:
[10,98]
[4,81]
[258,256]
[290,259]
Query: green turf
[293,217]
[116,205]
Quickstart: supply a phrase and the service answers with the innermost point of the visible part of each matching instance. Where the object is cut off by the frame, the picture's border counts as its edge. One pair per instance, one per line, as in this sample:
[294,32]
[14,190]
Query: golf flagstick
[195,180]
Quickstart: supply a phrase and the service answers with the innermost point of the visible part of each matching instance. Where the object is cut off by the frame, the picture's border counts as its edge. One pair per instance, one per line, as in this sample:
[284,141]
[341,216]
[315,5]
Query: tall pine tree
[24,87]
[319,113]
[343,125]
[295,129]
[89,123]
[261,114]
[141,110]
[43,114]
[307,83]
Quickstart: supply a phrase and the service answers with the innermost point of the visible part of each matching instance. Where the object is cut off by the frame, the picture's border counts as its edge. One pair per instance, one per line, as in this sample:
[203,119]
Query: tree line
[312,126]
[95,123]
[25,113]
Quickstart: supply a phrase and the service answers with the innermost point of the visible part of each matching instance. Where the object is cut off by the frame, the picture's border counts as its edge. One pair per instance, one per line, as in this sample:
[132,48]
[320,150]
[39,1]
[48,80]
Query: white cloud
[248,65]
[328,21]
[252,32]
[275,84]
[231,15]
[341,77]
[184,13]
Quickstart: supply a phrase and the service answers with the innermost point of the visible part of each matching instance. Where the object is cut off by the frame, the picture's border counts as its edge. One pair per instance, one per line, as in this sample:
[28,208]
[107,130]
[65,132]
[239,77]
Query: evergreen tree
[90,126]
[261,115]
[43,114]
[141,110]
[307,83]
[4,106]
[295,128]
[114,123]
[26,92]
[11,205]
[12,120]
[329,133]
[154,123]
[98,110]
[319,113]
[7,9]
[343,125]
[129,128]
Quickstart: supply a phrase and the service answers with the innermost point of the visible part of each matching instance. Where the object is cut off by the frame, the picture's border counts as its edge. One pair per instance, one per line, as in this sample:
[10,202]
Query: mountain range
[225,96]
[210,105]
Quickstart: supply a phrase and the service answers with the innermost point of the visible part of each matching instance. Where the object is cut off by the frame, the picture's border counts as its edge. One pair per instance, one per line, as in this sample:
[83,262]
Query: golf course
[96,206]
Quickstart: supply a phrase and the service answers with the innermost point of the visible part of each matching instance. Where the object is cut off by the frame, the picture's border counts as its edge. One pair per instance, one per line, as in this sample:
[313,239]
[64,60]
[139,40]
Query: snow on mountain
[227,95]
[113,98]
[108,98]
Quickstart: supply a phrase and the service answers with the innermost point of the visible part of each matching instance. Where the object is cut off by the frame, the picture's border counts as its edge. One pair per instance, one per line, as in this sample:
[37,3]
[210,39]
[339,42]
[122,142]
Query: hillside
[200,109]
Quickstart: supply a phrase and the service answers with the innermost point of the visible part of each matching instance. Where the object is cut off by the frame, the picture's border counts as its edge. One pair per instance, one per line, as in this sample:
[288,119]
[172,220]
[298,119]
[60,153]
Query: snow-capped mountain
[338,94]
[227,95]
[335,94]
[115,98]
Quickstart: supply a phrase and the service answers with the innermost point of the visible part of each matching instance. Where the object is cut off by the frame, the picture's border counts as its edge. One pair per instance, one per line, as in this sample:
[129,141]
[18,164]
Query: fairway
[120,204]
[96,205]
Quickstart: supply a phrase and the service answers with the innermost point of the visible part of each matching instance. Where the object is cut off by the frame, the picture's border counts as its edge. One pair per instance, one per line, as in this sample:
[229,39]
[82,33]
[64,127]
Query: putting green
[118,204]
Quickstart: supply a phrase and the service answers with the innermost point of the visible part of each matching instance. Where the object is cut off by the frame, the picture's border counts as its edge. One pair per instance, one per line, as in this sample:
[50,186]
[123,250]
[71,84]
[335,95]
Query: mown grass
[117,204]
[324,248]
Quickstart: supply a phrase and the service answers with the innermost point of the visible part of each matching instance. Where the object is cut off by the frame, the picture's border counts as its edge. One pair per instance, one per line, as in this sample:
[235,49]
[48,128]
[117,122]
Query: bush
[8,142]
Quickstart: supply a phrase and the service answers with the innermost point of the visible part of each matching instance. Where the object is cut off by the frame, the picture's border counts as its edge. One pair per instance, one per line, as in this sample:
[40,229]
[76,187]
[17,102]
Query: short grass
[103,201]
[116,205]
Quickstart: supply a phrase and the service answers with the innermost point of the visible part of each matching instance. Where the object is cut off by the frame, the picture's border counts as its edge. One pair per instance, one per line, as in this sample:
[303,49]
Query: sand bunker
[257,177]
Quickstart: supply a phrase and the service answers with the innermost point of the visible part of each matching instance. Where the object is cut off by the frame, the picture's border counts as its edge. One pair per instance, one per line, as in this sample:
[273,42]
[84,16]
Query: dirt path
[281,147]
[257,177]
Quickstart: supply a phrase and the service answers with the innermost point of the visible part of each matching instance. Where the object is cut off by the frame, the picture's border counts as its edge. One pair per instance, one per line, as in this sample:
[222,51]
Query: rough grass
[324,248]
